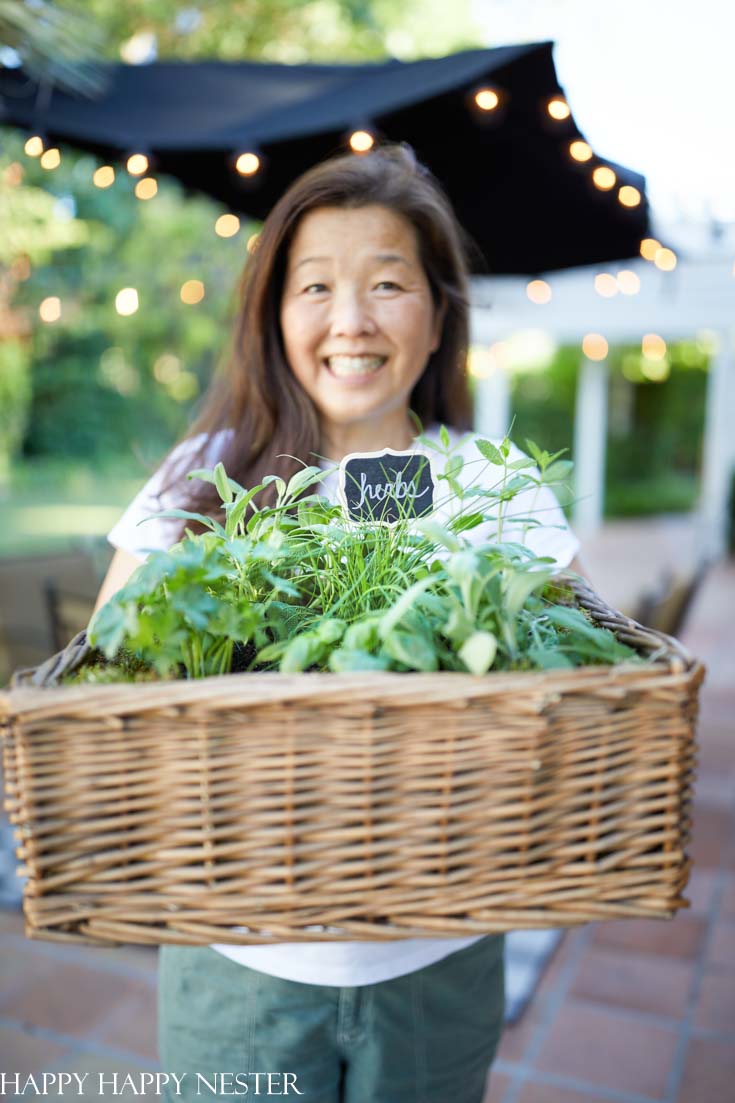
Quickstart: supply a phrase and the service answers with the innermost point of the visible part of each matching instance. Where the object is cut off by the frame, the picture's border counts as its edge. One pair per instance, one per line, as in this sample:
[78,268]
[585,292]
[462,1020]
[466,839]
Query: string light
[538,291]
[104,176]
[653,347]
[606,285]
[247,164]
[665,259]
[487,99]
[34,146]
[146,188]
[227,225]
[604,178]
[50,309]
[629,196]
[580,151]
[361,141]
[558,108]
[649,248]
[192,292]
[126,301]
[628,282]
[594,346]
[137,164]
[50,159]
[252,243]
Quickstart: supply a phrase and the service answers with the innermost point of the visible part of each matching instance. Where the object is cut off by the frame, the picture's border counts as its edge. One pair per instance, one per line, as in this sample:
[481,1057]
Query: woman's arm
[122,566]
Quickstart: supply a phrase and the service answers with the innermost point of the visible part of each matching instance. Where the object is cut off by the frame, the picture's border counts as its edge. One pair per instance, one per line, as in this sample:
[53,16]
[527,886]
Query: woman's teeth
[354,365]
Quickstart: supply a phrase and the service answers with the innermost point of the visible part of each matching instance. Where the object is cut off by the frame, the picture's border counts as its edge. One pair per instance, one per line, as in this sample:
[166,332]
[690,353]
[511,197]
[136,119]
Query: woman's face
[357,318]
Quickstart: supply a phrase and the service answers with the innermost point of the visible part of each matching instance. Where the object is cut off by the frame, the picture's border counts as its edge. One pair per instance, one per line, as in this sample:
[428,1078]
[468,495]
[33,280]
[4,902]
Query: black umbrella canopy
[526,202]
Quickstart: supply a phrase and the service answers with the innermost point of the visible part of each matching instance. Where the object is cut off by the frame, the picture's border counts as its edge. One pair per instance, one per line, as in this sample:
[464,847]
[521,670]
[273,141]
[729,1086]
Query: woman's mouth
[351,367]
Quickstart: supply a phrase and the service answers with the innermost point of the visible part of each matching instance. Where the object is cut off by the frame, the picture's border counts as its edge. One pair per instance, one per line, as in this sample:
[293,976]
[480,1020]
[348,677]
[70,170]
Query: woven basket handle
[64,662]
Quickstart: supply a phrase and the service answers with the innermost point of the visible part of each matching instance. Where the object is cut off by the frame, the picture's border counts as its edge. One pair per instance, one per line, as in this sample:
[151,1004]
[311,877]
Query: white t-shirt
[348,964]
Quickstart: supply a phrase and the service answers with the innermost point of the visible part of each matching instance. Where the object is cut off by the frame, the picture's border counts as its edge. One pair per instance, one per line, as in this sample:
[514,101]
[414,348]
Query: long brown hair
[257,396]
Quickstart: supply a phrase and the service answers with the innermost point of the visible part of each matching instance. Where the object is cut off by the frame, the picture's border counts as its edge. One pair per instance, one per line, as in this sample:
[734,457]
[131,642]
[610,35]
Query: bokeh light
[34,146]
[51,159]
[227,225]
[580,151]
[192,292]
[146,188]
[126,301]
[653,346]
[665,259]
[538,291]
[104,176]
[594,346]
[247,164]
[649,248]
[558,108]
[487,99]
[629,196]
[137,164]
[361,141]
[50,309]
[604,178]
[629,282]
[606,285]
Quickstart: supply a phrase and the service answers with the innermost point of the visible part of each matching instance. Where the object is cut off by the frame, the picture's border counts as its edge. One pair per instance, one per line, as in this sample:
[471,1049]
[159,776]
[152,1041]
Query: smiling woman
[352,333]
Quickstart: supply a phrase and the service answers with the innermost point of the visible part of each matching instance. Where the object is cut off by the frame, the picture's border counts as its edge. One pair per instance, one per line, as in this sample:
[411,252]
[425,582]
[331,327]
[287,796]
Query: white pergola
[698,295]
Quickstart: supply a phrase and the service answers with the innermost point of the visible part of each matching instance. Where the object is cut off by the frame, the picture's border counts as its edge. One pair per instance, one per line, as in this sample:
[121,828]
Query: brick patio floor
[630,1011]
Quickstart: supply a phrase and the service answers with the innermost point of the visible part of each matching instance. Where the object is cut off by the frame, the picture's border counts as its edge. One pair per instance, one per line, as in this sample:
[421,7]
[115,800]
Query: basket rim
[669,659]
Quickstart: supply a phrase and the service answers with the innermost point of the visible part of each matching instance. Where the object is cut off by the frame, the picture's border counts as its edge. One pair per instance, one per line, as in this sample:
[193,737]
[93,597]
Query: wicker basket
[266,807]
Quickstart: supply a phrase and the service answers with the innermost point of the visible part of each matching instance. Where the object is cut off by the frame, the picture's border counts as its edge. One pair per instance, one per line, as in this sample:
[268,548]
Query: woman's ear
[440,313]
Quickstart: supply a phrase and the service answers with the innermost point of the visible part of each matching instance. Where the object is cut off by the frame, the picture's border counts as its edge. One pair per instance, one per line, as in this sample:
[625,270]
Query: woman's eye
[390,284]
[315,286]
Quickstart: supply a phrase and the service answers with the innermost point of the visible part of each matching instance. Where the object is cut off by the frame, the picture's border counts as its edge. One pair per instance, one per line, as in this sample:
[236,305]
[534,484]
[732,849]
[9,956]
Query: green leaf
[438,534]
[466,521]
[406,602]
[222,483]
[478,652]
[412,649]
[208,476]
[453,467]
[184,514]
[346,659]
[490,452]
[536,452]
[236,510]
[444,436]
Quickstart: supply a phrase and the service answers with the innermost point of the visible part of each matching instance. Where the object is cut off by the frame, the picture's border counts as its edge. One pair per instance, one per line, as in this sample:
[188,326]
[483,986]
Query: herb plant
[298,586]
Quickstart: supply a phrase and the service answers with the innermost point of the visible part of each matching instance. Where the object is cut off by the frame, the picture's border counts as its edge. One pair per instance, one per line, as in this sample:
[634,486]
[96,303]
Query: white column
[590,435]
[718,452]
[492,397]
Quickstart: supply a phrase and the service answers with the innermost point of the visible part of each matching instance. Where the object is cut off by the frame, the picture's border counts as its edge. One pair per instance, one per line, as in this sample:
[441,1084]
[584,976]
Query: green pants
[426,1037]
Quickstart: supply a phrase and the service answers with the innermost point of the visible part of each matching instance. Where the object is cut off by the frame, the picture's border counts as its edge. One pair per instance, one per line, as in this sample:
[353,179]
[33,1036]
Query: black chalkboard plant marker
[386,487]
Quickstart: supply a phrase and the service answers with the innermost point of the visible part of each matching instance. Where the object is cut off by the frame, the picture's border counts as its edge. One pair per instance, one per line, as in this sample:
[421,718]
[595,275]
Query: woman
[353,326]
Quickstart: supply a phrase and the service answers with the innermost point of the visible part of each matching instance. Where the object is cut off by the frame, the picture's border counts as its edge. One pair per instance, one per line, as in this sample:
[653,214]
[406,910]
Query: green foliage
[15,395]
[296,586]
[655,429]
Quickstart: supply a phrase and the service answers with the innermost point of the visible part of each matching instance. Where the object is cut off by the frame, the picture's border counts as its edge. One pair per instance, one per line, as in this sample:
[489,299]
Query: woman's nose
[351,315]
